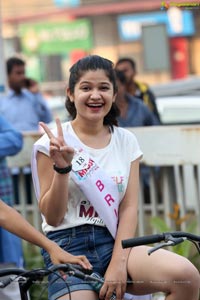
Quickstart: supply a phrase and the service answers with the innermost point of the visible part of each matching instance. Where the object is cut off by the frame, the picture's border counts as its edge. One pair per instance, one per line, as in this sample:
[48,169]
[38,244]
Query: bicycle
[26,278]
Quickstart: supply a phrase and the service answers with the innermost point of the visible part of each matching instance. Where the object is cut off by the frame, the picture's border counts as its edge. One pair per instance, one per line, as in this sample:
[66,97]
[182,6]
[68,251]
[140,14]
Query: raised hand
[59,151]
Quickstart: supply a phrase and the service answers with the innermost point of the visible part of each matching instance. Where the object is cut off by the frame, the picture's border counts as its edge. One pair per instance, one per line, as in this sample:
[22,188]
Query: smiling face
[93,95]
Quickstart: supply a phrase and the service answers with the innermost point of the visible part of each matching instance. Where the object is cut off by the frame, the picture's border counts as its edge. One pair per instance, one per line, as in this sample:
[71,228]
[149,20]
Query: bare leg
[163,271]
[89,295]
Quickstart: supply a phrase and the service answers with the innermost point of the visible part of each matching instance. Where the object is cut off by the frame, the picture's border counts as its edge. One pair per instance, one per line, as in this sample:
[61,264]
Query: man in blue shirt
[133,112]
[20,107]
[135,88]
[23,109]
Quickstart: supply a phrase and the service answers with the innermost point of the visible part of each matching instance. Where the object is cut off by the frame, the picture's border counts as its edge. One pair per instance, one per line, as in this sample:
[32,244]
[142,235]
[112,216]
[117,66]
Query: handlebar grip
[143,240]
[4,283]
[11,271]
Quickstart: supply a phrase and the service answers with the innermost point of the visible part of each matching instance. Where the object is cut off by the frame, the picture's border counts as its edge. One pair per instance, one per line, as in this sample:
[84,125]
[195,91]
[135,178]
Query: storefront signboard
[56,38]
[177,21]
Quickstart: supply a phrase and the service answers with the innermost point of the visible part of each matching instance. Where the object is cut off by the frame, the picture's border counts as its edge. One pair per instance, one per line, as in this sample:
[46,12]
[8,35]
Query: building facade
[53,34]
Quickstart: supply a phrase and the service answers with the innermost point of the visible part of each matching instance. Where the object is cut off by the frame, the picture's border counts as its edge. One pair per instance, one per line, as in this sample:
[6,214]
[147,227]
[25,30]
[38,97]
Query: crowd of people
[86,180]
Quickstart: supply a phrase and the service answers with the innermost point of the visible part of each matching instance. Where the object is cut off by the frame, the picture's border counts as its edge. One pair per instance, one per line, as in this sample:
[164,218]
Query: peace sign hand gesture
[60,153]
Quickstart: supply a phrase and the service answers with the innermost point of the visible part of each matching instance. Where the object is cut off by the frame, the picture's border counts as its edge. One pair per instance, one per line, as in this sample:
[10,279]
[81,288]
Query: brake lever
[162,245]
[170,241]
[176,240]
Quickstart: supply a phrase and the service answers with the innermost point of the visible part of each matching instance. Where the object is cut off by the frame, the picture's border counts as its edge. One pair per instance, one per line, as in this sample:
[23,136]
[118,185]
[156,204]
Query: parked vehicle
[178,101]
[177,110]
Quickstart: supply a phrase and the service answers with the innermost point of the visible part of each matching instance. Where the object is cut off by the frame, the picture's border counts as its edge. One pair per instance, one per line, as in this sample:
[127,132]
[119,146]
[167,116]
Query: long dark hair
[93,62]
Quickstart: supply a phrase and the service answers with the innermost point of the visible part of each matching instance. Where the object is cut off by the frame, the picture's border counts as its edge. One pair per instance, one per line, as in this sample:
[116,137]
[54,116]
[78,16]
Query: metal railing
[174,149]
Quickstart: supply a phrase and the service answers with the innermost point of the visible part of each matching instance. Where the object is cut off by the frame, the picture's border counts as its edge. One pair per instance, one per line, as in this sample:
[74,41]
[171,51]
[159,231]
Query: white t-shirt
[115,159]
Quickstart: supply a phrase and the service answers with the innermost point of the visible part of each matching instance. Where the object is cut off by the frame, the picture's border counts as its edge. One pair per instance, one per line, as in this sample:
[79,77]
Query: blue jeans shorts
[95,242]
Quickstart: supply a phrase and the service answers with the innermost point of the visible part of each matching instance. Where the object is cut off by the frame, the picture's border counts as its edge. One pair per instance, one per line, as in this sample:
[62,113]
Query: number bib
[80,160]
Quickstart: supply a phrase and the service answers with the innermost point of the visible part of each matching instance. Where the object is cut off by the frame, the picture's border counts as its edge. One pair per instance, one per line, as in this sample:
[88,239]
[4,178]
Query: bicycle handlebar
[11,271]
[168,238]
[157,238]
[71,269]
[42,272]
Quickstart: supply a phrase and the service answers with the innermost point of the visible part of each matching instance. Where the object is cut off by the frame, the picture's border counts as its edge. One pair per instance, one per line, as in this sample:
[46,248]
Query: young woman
[86,177]
[12,221]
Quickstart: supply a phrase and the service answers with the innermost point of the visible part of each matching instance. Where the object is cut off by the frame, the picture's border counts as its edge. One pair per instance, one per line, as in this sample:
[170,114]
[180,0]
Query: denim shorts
[95,242]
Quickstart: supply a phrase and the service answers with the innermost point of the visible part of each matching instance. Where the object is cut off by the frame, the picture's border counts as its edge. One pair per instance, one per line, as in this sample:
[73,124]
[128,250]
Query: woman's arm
[53,191]
[54,186]
[12,221]
[128,210]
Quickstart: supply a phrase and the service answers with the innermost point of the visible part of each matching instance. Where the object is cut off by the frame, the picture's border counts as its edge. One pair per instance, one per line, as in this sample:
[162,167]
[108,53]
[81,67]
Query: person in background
[23,109]
[20,106]
[11,142]
[86,179]
[135,113]
[136,88]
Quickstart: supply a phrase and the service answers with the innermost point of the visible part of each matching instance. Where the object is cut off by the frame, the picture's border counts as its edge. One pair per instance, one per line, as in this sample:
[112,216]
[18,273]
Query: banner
[56,38]
[178,23]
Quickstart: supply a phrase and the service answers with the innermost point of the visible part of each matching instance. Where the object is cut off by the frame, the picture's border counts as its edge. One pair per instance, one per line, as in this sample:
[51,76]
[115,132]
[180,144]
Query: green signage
[56,38]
